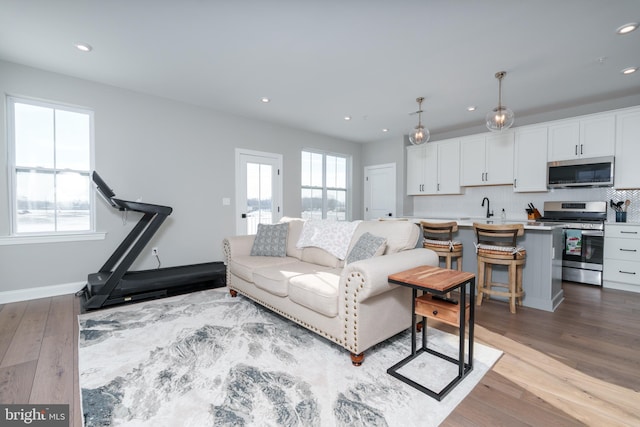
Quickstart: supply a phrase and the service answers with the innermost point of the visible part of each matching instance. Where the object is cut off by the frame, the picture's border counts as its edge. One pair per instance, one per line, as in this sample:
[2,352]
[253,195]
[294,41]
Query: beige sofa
[352,305]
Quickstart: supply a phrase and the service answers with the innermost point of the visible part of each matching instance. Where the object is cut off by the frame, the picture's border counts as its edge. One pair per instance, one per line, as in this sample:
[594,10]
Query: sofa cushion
[400,235]
[271,240]
[321,257]
[367,247]
[317,291]
[295,228]
[243,266]
[275,280]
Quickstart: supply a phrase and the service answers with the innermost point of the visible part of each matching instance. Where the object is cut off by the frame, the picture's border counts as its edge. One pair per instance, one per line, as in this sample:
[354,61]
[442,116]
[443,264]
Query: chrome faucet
[489,214]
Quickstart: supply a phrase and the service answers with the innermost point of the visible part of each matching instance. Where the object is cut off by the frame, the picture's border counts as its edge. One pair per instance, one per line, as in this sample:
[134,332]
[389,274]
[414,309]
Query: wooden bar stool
[438,236]
[497,245]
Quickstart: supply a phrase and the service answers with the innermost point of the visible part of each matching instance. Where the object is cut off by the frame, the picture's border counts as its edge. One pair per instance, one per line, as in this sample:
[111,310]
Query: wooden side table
[435,283]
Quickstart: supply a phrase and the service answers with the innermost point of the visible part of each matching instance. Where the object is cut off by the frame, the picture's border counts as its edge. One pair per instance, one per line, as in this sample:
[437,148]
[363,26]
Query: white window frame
[47,236]
[348,191]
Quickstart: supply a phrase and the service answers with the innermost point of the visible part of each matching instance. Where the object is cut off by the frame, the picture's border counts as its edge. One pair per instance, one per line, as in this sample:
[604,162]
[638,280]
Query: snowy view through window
[52,190]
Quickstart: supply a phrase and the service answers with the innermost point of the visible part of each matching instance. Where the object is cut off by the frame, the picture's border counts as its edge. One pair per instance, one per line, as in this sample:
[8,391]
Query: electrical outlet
[154,251]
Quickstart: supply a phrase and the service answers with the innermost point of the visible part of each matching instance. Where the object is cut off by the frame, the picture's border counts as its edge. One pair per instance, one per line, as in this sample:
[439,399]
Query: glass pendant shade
[500,118]
[420,134]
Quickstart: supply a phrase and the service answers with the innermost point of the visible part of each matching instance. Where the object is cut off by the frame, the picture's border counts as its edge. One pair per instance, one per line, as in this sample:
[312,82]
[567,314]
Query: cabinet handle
[435,312]
[515,183]
[628,250]
[627,272]
[581,145]
[576,149]
[438,186]
[628,232]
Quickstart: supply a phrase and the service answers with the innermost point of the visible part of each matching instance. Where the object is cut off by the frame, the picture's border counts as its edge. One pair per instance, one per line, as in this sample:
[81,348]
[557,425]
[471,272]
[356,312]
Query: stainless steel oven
[582,255]
[583,233]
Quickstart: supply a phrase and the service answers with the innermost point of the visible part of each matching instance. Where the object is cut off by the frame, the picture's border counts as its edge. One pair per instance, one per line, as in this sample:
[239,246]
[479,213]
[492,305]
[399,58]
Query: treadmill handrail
[142,207]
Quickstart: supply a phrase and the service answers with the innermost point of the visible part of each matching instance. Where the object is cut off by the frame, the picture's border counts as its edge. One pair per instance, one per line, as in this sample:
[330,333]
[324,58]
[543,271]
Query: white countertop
[468,222]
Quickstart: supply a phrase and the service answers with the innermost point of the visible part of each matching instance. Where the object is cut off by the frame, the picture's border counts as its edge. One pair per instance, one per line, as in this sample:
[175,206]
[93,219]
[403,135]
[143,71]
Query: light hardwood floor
[579,365]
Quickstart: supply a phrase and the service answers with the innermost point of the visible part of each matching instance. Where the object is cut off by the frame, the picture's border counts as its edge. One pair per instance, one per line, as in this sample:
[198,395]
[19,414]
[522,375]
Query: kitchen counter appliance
[594,172]
[583,235]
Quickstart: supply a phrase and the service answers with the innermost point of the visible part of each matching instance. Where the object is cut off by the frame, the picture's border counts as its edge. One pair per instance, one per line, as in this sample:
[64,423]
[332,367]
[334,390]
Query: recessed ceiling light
[627,28]
[347,118]
[265,99]
[84,47]
[471,108]
[385,130]
[630,70]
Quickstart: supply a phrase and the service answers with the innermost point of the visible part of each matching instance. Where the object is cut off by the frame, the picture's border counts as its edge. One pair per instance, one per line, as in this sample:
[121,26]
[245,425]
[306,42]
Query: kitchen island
[542,271]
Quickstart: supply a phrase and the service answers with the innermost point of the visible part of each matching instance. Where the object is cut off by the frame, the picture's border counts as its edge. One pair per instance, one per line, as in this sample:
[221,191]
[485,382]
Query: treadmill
[114,284]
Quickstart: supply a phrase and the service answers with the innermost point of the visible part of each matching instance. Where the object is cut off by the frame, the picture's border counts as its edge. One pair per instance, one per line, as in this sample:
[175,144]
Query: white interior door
[258,190]
[380,191]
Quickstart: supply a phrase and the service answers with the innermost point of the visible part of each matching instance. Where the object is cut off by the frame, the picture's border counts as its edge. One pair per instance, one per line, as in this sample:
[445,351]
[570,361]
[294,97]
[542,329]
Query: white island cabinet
[542,271]
[487,159]
[621,269]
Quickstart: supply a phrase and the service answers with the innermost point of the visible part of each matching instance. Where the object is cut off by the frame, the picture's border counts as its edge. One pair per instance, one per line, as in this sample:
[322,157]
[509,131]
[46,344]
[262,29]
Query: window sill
[51,238]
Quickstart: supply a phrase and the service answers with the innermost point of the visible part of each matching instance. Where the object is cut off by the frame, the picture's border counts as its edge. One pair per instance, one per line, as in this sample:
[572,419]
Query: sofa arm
[237,246]
[370,276]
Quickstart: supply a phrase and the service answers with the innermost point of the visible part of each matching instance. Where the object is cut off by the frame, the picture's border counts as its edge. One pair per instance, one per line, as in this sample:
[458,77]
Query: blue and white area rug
[207,359]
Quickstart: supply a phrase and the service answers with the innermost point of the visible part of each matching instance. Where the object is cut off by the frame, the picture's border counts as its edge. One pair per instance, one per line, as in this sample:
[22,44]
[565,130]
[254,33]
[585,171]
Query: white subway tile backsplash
[502,196]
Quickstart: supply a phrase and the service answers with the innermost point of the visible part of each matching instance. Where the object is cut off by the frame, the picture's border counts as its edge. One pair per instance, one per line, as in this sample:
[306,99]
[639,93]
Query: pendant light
[420,134]
[501,117]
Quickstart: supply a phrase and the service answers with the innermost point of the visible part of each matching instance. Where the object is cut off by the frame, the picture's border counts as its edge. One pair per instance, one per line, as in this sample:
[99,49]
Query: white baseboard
[41,292]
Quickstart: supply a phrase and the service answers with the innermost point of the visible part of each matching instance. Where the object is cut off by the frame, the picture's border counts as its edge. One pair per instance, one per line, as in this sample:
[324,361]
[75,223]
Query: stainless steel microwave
[593,172]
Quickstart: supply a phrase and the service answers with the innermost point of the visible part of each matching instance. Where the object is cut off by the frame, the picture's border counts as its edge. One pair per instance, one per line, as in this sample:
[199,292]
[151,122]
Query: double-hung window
[50,161]
[324,186]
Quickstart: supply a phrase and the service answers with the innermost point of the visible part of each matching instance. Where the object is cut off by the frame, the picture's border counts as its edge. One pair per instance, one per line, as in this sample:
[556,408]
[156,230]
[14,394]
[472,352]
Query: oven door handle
[596,233]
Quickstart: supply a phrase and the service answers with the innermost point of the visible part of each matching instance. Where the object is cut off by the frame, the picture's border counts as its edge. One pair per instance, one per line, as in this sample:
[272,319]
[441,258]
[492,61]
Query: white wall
[164,152]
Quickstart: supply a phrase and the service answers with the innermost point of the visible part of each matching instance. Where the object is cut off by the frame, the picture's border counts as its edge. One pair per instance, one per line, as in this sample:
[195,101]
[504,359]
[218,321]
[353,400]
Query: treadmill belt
[147,280]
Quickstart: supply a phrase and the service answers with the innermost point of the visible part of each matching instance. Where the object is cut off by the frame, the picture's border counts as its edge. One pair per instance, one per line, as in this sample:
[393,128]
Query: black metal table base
[436,395]
[464,368]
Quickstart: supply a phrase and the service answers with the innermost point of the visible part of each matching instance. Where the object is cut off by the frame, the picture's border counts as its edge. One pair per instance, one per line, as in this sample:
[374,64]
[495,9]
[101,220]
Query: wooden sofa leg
[356,359]
[233,293]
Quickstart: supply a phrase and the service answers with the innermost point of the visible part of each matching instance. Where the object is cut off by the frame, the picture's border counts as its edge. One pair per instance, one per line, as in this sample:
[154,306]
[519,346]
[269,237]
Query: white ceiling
[321,60]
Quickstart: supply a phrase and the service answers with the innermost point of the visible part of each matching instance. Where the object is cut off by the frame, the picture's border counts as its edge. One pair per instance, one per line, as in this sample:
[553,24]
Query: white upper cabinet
[449,167]
[592,136]
[416,160]
[433,168]
[627,150]
[530,159]
[486,159]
